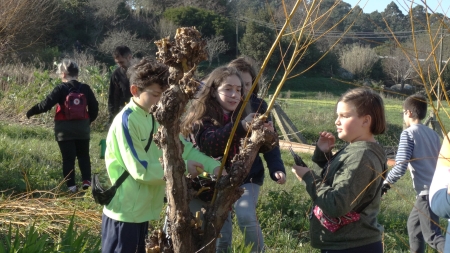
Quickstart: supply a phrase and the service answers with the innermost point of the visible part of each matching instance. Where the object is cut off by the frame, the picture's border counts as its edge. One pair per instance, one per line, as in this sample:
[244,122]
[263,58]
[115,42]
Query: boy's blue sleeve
[404,155]
[129,141]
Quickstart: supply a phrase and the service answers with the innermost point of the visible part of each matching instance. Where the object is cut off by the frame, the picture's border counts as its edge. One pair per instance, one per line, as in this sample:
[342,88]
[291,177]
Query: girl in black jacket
[72,135]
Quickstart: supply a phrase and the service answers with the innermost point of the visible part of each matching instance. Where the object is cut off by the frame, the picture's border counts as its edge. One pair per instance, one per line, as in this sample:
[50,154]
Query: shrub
[282,210]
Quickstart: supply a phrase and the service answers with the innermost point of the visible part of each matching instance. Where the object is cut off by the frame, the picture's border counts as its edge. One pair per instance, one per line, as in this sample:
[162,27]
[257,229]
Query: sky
[380,5]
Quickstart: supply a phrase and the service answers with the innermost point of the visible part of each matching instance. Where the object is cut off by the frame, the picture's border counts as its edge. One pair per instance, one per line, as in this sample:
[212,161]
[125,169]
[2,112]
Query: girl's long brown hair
[205,104]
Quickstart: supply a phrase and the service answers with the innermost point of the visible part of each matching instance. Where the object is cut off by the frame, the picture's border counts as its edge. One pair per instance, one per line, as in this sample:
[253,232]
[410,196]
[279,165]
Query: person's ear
[367,120]
[134,90]
[409,113]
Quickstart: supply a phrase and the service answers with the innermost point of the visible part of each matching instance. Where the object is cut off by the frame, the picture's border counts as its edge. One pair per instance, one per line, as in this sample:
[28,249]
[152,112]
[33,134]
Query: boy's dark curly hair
[148,72]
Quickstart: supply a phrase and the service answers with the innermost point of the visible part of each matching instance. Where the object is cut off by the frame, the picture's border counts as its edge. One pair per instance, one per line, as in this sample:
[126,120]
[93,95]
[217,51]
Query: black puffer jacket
[212,138]
[68,129]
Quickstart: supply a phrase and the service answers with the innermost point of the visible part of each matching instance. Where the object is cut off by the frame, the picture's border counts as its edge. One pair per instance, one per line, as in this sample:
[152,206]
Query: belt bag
[333,224]
[101,196]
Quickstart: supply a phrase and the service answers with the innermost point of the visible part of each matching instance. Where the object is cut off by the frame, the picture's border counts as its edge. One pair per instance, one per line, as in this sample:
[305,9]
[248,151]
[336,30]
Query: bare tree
[164,28]
[182,55]
[117,38]
[105,9]
[25,22]
[215,46]
[358,60]
[399,67]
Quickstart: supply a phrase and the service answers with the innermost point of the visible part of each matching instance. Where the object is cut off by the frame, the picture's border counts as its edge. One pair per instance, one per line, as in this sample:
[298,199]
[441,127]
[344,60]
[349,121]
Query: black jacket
[68,129]
[212,138]
[119,92]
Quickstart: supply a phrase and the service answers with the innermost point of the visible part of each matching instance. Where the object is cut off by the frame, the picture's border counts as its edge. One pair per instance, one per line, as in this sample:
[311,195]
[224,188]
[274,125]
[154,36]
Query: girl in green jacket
[345,187]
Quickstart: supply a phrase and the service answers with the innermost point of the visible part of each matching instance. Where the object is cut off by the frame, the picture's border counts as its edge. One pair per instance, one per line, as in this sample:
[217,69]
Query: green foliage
[72,241]
[33,241]
[257,39]
[394,17]
[377,72]
[290,208]
[49,55]
[241,247]
[41,84]
[207,22]
[99,81]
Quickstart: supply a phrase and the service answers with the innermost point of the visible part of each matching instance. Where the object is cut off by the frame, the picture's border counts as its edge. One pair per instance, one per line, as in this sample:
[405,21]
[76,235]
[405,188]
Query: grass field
[30,160]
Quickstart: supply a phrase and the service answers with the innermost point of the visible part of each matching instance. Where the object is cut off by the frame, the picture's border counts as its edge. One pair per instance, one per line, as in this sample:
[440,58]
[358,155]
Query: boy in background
[418,150]
[140,197]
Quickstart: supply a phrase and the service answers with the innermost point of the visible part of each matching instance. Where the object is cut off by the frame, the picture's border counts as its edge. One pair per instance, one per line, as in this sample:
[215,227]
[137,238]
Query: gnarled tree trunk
[182,55]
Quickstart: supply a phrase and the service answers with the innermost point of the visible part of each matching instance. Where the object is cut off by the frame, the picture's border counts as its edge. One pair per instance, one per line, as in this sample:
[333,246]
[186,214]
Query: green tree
[362,21]
[418,14]
[338,12]
[376,19]
[395,18]
[258,36]
[207,22]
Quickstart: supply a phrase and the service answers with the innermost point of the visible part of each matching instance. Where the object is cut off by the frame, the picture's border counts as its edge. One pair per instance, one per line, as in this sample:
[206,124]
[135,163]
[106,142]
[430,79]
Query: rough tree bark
[182,56]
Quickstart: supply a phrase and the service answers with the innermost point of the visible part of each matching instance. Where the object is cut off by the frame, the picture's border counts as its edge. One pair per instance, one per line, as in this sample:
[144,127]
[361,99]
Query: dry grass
[50,209]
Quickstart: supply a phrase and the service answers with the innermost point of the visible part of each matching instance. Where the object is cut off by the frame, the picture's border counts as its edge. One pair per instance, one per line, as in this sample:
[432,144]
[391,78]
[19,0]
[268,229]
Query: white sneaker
[73,189]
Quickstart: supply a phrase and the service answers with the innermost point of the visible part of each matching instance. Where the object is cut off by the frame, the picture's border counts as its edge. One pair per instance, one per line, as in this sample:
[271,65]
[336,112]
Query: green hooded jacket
[140,198]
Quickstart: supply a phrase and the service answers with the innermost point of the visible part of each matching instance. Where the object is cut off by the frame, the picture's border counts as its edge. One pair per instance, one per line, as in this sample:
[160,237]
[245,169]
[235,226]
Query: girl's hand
[281,177]
[248,120]
[269,126]
[300,171]
[217,169]
[326,141]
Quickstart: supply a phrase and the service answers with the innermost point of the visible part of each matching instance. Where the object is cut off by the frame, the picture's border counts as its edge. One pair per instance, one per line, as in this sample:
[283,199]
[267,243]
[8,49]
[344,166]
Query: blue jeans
[245,209]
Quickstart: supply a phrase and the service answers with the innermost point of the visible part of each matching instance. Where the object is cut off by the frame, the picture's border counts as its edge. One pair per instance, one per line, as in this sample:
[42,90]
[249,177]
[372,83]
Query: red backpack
[75,105]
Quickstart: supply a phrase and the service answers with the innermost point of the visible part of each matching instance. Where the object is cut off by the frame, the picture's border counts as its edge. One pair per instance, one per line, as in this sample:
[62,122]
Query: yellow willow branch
[247,97]
[288,70]
[332,46]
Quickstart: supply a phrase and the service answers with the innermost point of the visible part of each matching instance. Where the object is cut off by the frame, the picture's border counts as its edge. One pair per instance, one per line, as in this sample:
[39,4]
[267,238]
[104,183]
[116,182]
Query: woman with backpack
[76,108]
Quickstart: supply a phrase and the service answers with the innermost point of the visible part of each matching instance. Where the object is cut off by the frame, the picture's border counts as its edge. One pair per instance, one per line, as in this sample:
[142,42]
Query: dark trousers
[75,149]
[376,247]
[423,226]
[123,237]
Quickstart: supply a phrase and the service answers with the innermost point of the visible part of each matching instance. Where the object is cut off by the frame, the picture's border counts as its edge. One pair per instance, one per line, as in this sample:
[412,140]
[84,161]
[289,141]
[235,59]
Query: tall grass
[23,85]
